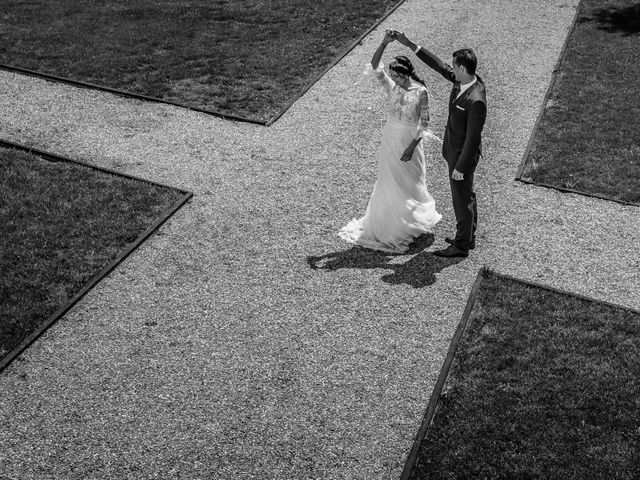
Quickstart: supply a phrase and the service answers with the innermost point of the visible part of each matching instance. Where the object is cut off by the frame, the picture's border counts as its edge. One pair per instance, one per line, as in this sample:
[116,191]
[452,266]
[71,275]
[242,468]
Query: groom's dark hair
[466,58]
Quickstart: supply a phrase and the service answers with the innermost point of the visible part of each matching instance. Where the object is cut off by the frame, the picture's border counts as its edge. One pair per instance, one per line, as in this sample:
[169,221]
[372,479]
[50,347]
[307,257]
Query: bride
[400,208]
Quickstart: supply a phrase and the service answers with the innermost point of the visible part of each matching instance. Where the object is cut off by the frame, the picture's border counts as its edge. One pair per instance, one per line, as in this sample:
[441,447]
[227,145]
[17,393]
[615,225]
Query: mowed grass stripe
[588,139]
[60,224]
[543,385]
[243,58]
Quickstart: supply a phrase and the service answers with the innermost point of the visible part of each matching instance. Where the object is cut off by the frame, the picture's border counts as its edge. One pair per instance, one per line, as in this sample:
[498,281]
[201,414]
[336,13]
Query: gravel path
[216,351]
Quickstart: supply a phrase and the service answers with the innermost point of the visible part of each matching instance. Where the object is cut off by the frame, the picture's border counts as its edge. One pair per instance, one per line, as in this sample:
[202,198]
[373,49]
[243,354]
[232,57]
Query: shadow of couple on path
[418,271]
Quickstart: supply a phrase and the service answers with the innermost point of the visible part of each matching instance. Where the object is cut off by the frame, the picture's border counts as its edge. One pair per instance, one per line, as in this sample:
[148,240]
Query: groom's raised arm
[427,57]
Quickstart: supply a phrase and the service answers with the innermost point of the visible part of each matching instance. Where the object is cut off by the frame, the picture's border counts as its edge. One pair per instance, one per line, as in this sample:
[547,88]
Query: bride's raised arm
[377,55]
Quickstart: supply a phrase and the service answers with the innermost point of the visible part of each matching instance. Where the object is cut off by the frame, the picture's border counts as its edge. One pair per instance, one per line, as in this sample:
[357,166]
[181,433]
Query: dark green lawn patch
[588,137]
[543,385]
[61,223]
[247,58]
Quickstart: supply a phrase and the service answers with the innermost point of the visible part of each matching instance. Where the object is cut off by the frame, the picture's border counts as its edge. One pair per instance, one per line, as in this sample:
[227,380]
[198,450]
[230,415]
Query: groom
[462,144]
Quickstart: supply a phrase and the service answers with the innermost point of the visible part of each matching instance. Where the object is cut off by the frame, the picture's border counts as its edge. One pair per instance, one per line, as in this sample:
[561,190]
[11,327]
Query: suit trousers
[465,208]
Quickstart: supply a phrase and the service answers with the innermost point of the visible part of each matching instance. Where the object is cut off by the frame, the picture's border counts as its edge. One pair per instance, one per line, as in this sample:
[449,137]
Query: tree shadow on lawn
[419,271]
[615,19]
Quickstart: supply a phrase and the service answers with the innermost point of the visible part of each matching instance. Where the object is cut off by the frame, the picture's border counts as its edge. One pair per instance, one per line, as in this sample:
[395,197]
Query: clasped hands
[392,34]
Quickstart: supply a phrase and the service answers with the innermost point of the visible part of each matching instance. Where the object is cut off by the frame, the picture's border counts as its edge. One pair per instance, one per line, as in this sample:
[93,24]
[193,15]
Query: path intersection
[278,352]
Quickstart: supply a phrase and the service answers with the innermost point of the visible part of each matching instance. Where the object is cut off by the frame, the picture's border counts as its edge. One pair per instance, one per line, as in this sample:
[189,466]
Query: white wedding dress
[400,208]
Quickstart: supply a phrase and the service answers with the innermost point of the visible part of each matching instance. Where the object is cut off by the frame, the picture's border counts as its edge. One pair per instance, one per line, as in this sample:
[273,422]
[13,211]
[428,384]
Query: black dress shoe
[451,241]
[451,251]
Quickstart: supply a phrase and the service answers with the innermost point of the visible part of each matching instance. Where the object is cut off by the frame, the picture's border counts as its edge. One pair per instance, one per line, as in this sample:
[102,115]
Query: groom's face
[457,70]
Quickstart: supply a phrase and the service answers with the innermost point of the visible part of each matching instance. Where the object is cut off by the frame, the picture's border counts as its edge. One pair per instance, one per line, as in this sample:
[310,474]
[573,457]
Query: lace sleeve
[382,76]
[424,111]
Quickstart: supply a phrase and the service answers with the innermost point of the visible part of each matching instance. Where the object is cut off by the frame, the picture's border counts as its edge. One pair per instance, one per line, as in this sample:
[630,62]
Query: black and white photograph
[319,240]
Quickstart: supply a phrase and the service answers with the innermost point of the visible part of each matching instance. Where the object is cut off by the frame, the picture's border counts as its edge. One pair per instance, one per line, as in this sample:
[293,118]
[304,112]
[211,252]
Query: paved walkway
[259,366]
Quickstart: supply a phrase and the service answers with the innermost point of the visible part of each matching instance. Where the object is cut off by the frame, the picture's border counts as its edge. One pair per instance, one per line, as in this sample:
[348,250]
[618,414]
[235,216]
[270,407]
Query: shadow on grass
[418,271]
[619,20]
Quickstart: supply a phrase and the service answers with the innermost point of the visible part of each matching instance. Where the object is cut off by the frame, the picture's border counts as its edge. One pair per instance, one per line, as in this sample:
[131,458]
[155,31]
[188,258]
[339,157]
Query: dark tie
[455,92]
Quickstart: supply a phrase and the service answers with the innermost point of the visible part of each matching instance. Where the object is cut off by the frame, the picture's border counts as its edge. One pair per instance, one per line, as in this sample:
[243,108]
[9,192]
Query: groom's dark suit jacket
[462,144]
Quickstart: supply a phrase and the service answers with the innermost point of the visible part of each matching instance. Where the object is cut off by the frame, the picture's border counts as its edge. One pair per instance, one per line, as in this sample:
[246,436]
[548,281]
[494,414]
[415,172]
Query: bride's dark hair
[403,66]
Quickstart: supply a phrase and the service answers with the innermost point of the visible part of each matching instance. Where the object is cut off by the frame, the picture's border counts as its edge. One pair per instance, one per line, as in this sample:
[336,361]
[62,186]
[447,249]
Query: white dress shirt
[466,86]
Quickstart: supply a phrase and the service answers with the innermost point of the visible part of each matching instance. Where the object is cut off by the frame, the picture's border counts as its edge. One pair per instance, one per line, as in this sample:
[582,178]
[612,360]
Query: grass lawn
[589,135]
[60,224]
[247,58]
[543,385]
